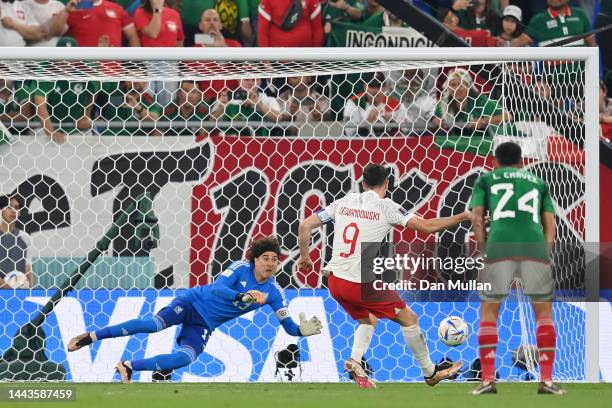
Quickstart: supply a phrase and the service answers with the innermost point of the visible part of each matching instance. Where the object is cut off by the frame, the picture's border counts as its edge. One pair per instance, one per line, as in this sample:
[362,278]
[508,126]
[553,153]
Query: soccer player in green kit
[518,244]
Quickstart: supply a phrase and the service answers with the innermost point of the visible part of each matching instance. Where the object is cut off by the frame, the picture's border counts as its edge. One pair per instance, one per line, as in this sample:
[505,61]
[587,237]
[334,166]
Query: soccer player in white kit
[368,217]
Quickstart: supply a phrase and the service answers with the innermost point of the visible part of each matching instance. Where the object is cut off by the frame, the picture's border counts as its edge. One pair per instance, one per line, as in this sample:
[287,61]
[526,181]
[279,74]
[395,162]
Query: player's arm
[550,229]
[222,287]
[304,234]
[479,228]
[307,327]
[432,225]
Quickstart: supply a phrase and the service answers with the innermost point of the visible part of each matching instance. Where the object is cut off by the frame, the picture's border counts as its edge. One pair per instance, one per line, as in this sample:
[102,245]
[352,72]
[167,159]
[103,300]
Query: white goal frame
[590,56]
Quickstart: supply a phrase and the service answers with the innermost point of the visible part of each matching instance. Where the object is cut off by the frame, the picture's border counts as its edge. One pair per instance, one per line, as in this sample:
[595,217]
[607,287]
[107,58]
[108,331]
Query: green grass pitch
[308,395]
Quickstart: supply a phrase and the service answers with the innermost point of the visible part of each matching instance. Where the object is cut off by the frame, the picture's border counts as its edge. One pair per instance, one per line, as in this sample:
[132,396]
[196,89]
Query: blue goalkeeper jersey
[216,303]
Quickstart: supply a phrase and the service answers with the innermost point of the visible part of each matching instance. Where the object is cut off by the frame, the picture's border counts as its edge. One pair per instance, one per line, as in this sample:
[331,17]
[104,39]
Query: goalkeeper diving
[243,287]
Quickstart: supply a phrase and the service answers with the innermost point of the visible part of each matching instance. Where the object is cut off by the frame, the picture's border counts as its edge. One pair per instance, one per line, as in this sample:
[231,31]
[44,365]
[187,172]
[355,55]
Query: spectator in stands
[189,106]
[211,31]
[211,35]
[465,111]
[43,12]
[158,25]
[247,103]
[301,102]
[477,15]
[254,19]
[63,106]
[512,29]
[543,89]
[476,38]
[285,23]
[372,8]
[129,101]
[415,89]
[560,21]
[14,103]
[605,111]
[191,10]
[18,24]
[232,10]
[372,112]
[342,10]
[14,243]
[103,24]
[236,19]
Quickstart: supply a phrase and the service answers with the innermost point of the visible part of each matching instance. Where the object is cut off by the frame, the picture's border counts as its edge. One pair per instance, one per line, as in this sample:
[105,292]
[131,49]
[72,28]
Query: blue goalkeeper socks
[150,325]
[181,358]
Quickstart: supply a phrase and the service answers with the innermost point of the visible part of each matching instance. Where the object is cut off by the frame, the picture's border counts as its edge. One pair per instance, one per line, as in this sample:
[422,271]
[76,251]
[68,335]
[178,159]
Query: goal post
[219,177]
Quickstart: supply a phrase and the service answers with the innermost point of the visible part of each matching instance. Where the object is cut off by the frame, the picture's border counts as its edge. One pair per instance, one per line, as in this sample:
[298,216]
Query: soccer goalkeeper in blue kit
[243,287]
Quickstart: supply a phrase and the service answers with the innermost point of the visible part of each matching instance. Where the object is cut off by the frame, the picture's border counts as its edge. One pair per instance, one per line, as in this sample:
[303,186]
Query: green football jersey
[115,109]
[66,100]
[515,200]
[482,106]
[548,27]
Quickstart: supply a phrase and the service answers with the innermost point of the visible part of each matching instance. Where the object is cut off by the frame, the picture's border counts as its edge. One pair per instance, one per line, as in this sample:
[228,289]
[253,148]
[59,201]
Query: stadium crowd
[412,102]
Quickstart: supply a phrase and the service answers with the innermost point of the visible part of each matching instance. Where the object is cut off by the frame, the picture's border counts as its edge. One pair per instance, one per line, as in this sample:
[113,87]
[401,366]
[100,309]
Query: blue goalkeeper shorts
[195,332]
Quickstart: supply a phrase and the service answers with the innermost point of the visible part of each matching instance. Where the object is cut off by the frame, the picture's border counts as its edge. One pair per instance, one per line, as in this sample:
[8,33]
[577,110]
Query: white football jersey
[357,218]
[20,12]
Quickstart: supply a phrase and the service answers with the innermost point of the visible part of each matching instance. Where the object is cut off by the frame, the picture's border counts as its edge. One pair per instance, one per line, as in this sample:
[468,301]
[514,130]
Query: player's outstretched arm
[221,287]
[431,225]
[304,233]
[307,327]
[278,303]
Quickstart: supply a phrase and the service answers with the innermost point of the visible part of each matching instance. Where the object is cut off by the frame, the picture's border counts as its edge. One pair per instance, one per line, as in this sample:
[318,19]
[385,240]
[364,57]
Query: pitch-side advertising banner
[244,349]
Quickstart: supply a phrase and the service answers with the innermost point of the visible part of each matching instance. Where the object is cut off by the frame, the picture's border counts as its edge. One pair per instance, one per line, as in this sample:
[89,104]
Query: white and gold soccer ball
[17,280]
[453,331]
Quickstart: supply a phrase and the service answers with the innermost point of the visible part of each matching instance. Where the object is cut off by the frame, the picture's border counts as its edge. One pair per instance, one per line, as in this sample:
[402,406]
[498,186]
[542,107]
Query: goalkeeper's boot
[80,341]
[125,371]
[443,371]
[485,388]
[549,387]
[357,372]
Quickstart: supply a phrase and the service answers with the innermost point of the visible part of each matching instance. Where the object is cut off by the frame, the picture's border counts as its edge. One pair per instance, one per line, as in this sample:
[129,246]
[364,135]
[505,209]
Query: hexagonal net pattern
[229,151]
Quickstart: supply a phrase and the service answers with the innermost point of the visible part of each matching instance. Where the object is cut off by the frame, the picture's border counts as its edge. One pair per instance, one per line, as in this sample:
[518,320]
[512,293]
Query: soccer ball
[453,331]
[17,280]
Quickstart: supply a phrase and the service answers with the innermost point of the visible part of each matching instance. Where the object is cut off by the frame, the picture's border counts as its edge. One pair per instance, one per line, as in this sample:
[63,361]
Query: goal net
[236,145]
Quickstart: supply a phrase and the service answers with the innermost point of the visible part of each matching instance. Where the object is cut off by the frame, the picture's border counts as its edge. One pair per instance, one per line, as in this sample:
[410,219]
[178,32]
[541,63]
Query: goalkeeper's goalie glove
[309,327]
[252,296]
